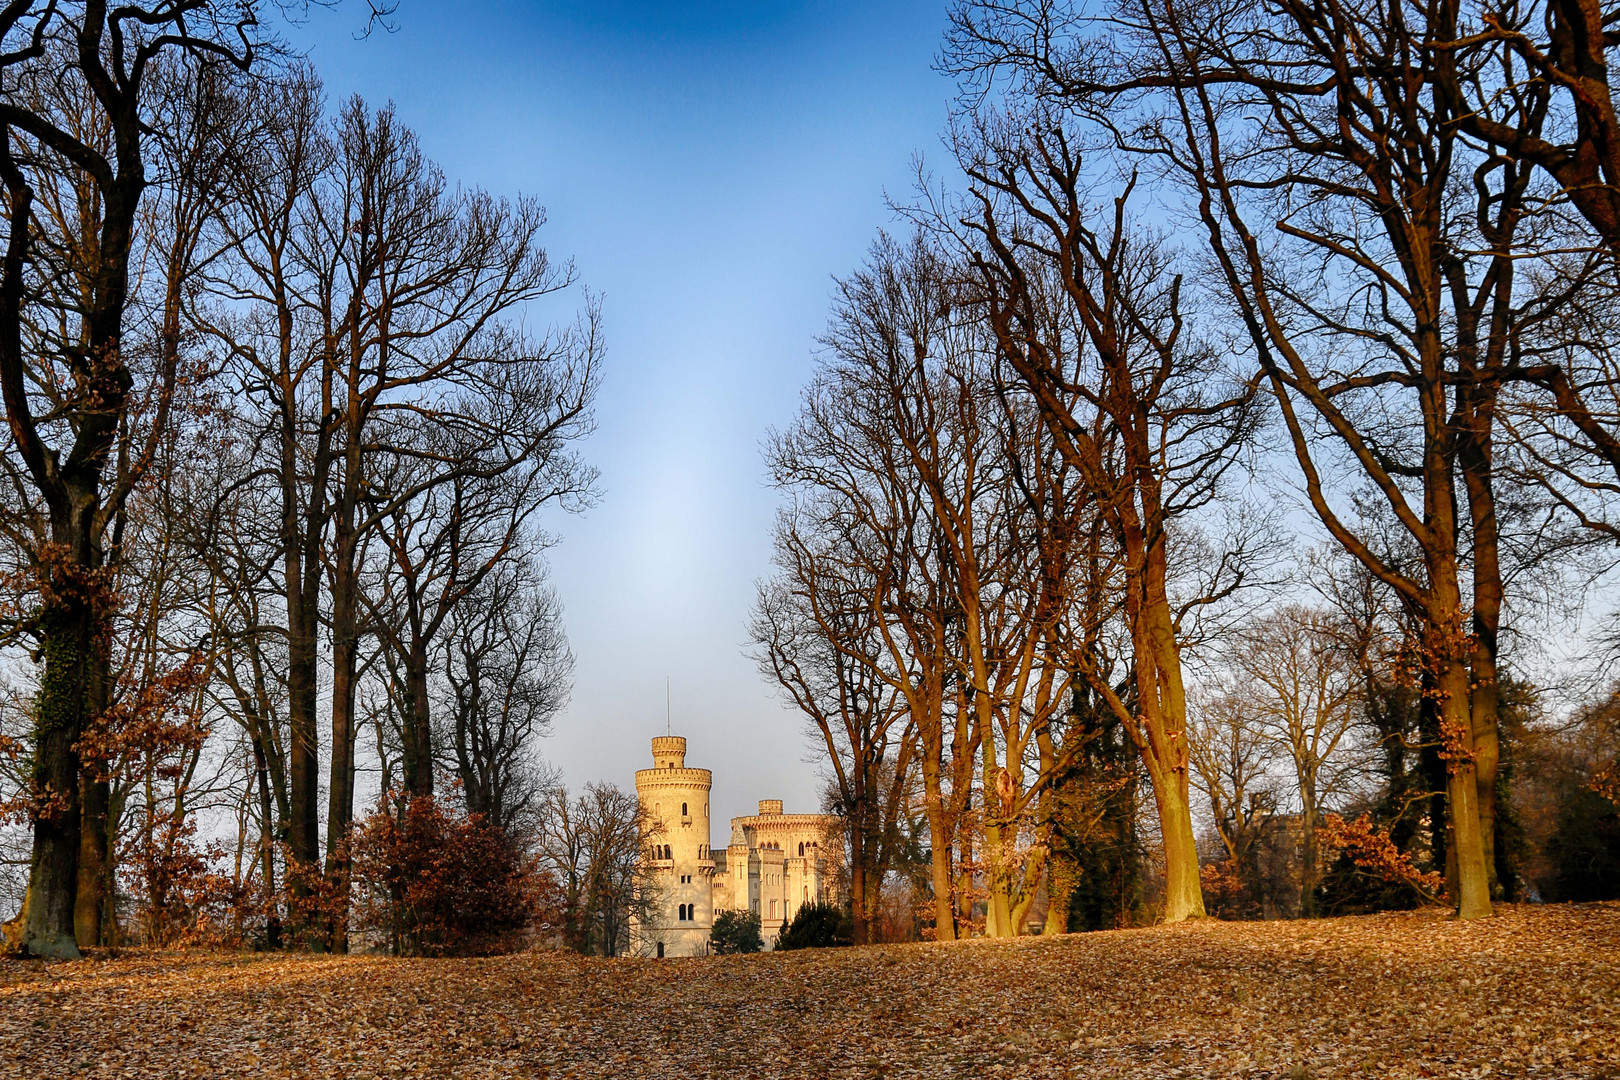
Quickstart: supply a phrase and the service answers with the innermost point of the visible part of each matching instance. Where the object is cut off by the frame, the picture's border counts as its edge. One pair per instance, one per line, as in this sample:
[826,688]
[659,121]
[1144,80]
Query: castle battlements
[774,864]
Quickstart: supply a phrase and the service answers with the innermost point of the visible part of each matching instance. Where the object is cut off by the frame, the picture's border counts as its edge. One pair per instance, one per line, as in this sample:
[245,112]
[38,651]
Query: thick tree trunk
[1485,691]
[857,867]
[340,785]
[1183,892]
[418,732]
[1462,791]
[1060,878]
[1307,869]
[68,628]
[998,887]
[859,849]
[939,838]
[301,572]
[90,909]
[267,847]
[303,751]
[1162,702]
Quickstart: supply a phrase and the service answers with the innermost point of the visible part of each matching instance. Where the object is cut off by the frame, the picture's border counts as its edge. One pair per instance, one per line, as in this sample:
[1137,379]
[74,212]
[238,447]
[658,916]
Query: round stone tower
[677,802]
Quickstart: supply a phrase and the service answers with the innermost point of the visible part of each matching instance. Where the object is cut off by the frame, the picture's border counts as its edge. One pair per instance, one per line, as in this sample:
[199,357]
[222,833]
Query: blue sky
[709,167]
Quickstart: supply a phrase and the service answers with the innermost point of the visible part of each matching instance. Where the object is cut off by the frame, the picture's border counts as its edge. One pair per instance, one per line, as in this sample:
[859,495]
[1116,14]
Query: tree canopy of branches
[281,400]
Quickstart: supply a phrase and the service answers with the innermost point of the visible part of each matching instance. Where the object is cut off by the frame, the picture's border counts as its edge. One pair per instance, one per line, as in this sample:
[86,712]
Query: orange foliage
[1226,894]
[1374,854]
[440,884]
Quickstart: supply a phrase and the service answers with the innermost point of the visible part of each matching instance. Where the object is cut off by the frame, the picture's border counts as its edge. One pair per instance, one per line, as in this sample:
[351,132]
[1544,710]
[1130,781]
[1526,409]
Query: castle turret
[677,802]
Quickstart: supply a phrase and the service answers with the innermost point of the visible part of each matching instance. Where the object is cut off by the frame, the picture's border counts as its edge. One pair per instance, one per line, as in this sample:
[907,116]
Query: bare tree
[435,547]
[506,674]
[1375,260]
[859,499]
[814,629]
[1303,679]
[77,127]
[370,307]
[1531,79]
[1086,312]
[596,847]
[1231,765]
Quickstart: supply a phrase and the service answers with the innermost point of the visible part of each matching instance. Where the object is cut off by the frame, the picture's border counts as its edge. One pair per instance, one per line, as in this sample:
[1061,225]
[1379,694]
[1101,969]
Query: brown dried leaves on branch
[1534,992]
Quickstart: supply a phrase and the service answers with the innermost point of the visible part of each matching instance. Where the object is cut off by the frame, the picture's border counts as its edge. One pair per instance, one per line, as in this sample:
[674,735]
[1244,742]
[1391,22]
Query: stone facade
[773,865]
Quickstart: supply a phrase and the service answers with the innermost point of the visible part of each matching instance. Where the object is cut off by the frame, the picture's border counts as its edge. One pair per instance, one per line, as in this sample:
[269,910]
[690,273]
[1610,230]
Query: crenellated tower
[677,801]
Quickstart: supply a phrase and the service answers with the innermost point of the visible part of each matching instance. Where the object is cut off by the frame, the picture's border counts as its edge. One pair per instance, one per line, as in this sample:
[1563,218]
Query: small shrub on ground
[439,884]
[736,932]
[817,926]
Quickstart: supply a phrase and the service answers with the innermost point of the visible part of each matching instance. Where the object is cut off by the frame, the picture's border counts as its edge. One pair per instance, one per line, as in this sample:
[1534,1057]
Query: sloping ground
[1533,992]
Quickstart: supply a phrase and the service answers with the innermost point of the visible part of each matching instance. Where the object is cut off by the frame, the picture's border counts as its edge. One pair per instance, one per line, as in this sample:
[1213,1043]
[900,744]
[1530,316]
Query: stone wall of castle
[774,864]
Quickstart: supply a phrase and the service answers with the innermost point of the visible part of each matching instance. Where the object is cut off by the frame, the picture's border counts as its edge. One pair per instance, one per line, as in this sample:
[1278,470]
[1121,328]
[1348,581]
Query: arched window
[683,810]
[682,916]
[667,853]
[801,849]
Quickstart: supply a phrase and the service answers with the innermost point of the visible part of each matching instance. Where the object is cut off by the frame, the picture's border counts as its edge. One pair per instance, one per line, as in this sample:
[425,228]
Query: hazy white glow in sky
[709,166]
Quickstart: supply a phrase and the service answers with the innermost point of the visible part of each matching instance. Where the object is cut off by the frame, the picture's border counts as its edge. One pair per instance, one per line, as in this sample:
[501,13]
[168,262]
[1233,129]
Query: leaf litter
[1533,992]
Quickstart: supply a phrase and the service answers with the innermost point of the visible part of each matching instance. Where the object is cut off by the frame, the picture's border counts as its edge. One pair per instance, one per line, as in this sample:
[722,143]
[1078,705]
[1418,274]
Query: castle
[774,864]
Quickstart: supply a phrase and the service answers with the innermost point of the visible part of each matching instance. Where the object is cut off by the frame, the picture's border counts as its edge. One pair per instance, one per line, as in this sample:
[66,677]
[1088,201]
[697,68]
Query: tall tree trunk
[1462,792]
[418,731]
[300,541]
[340,785]
[93,913]
[939,837]
[1183,892]
[1060,877]
[1475,457]
[90,909]
[69,625]
[859,912]
[1307,875]
[1162,704]
[267,847]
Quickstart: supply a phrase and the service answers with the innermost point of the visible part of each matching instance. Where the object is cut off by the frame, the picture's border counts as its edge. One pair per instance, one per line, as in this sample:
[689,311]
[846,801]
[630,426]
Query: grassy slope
[1533,992]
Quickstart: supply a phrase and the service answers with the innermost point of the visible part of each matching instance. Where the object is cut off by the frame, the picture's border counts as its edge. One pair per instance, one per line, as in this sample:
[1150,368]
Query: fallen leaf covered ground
[1532,992]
